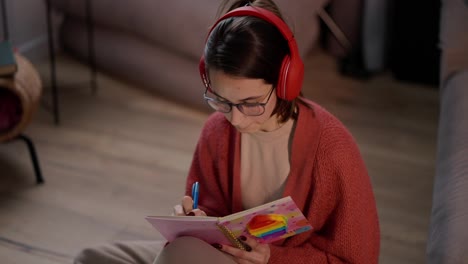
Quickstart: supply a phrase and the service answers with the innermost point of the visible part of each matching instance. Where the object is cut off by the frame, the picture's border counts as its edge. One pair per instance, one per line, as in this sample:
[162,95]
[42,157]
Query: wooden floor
[123,153]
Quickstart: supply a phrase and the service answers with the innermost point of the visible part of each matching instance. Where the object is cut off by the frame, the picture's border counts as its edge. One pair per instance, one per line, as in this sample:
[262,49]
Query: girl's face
[243,90]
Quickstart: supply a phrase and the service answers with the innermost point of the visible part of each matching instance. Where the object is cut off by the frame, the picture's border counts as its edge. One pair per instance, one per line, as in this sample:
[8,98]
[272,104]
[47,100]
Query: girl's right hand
[185,208]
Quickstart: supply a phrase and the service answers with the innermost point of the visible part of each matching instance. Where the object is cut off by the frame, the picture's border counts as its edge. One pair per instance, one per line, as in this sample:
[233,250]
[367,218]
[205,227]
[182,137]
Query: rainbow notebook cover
[269,222]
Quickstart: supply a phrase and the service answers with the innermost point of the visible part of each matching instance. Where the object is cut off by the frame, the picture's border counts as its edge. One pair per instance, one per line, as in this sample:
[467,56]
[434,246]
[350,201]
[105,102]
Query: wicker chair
[19,100]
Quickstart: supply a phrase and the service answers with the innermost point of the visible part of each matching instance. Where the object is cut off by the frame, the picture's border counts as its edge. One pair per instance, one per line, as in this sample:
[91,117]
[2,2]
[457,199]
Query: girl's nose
[236,116]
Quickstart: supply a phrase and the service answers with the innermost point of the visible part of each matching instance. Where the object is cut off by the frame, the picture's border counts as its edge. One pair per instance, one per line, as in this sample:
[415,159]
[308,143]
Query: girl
[265,142]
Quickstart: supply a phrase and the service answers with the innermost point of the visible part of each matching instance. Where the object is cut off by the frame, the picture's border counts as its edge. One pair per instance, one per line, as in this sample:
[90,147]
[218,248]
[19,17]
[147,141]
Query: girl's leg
[135,252]
[192,250]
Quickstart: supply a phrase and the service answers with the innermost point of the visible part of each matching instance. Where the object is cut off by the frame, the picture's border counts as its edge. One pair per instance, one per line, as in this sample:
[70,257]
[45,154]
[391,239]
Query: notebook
[7,60]
[266,223]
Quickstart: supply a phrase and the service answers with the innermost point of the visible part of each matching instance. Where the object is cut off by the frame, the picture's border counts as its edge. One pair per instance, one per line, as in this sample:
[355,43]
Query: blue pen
[195,193]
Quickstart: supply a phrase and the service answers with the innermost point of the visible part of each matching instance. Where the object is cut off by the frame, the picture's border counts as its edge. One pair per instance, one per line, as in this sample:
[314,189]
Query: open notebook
[267,223]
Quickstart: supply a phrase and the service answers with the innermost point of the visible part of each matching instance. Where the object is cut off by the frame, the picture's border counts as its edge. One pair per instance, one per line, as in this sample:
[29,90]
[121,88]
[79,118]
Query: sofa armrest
[448,233]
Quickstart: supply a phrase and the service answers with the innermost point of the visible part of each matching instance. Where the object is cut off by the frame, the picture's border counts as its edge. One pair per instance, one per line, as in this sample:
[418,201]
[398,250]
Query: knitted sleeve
[205,167]
[342,208]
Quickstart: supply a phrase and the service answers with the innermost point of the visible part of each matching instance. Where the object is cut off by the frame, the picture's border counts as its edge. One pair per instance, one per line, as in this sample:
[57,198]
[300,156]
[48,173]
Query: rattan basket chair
[22,91]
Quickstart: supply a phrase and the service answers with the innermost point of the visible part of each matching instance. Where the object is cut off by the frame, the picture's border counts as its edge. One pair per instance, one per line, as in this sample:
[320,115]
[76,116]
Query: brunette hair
[250,47]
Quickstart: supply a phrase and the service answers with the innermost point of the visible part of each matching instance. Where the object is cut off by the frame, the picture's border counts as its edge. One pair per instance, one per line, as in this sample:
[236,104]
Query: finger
[260,256]
[187,204]
[260,252]
[238,253]
[252,242]
[178,210]
[198,212]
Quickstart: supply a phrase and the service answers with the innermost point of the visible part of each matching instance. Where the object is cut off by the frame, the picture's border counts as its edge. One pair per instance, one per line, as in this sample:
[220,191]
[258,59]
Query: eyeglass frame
[238,106]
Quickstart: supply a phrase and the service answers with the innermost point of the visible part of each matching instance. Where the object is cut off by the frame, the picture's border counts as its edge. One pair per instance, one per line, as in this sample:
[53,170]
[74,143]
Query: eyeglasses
[248,109]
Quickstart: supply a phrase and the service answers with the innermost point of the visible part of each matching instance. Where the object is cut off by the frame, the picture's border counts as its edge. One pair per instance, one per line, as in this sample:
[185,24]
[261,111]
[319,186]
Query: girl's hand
[257,253]
[185,208]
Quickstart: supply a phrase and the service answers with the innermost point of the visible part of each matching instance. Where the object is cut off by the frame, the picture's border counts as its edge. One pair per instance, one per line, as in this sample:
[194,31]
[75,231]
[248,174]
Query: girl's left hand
[258,254]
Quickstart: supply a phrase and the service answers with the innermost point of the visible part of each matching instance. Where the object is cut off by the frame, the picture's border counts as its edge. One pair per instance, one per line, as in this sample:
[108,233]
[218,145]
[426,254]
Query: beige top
[265,158]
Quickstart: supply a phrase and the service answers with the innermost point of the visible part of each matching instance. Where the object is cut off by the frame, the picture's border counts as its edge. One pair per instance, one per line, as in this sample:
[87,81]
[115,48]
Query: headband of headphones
[292,69]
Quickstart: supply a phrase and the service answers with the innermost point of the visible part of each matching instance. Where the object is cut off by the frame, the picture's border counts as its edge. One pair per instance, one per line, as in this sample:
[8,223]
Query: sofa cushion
[182,25]
[166,74]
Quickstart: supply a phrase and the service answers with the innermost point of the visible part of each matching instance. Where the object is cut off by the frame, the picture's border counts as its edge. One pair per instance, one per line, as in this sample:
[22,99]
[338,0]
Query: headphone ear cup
[281,87]
[295,78]
[290,78]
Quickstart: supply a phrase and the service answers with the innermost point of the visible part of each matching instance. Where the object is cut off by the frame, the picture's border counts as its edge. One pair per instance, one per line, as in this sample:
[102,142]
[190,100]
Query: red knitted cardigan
[328,181]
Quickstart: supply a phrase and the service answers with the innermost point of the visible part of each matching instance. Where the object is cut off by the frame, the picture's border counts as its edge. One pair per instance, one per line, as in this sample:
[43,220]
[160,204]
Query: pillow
[10,110]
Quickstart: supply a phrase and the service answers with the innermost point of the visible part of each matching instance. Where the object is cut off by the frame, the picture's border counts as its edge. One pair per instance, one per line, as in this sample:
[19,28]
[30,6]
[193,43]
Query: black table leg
[34,159]
[91,52]
[53,80]
[6,34]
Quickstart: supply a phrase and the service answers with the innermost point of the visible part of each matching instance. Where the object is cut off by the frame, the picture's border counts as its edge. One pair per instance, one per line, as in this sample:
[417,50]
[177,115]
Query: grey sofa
[448,235]
[157,44]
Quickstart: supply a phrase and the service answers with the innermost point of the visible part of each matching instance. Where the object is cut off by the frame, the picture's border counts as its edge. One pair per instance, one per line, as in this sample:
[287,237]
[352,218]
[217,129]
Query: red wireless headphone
[292,69]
